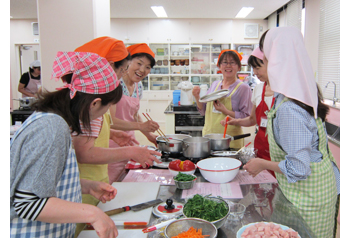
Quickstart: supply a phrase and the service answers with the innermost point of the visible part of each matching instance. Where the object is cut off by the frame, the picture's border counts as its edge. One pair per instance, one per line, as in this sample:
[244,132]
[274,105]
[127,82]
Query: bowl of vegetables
[184,181]
[186,167]
[190,227]
[211,209]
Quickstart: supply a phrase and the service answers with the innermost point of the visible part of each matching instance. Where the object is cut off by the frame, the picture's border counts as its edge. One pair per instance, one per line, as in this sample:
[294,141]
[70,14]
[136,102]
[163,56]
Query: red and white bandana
[92,74]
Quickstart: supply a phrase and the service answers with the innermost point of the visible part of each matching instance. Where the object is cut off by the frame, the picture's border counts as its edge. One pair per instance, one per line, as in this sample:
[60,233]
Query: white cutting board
[129,194]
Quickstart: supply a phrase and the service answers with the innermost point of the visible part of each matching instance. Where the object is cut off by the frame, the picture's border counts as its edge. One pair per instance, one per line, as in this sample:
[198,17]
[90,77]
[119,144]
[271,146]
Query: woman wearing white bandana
[303,164]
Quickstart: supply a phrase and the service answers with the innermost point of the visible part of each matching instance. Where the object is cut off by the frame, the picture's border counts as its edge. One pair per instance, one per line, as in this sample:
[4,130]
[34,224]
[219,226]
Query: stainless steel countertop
[278,209]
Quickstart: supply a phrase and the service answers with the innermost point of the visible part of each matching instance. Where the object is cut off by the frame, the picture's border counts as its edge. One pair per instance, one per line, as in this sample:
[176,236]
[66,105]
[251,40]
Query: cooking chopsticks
[242,148]
[160,132]
[225,127]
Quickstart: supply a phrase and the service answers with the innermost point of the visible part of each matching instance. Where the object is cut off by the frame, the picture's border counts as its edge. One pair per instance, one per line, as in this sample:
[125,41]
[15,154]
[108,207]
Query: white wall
[182,30]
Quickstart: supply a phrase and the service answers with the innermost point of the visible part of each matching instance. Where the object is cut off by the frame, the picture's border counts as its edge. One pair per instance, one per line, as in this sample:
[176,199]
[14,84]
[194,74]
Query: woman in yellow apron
[92,148]
[236,104]
[306,171]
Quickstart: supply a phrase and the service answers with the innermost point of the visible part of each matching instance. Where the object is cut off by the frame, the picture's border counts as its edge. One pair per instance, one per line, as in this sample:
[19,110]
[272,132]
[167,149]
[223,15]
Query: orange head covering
[140,48]
[238,54]
[107,47]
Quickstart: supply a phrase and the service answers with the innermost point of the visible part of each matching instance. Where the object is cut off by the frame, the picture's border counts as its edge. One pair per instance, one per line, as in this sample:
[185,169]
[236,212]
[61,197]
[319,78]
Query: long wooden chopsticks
[160,132]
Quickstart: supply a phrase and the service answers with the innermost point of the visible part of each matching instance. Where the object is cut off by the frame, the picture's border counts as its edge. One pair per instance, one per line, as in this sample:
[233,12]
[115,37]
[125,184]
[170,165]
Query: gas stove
[168,157]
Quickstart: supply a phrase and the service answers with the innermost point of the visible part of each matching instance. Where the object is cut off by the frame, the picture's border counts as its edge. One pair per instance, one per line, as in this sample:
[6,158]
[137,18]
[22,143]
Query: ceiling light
[159,11]
[244,12]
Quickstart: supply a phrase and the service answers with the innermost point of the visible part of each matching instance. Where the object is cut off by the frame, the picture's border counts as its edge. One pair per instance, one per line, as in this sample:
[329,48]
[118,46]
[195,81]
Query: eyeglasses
[232,63]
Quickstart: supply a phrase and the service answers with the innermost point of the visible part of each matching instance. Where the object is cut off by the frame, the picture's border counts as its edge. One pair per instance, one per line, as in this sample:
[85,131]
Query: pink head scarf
[92,74]
[257,53]
[289,68]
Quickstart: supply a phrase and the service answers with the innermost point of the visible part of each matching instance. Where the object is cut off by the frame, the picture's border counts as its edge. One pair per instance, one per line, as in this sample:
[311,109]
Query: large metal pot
[174,145]
[196,147]
[220,143]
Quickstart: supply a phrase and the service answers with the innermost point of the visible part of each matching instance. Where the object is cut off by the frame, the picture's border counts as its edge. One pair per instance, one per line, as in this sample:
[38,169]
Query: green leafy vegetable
[184,177]
[205,208]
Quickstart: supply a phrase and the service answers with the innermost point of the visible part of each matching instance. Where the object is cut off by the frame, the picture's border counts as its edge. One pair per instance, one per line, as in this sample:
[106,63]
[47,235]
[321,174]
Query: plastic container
[176,96]
[186,93]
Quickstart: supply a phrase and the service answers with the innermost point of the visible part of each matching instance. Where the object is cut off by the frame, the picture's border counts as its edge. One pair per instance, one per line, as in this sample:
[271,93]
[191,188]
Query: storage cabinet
[176,62]
[245,50]
[154,103]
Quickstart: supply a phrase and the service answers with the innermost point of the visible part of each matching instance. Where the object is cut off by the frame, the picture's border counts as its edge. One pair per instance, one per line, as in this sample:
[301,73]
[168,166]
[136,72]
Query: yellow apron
[213,119]
[95,172]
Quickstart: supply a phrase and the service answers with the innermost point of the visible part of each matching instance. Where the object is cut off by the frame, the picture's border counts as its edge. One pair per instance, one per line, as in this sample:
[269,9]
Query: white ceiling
[222,9]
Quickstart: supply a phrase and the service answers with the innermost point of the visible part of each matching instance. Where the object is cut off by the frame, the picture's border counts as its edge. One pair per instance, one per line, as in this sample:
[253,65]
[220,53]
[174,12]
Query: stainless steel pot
[173,146]
[26,102]
[220,143]
[196,147]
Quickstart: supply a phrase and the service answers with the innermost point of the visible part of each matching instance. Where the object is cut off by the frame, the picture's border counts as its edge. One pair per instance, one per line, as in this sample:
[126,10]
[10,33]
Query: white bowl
[175,172]
[219,169]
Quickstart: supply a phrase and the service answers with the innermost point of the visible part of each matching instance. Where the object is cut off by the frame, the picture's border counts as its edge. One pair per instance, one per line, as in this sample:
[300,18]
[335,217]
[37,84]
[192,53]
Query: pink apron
[32,86]
[126,109]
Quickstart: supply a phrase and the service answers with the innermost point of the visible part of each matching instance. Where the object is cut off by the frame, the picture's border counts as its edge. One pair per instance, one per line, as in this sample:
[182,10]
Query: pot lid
[168,209]
[223,153]
[214,95]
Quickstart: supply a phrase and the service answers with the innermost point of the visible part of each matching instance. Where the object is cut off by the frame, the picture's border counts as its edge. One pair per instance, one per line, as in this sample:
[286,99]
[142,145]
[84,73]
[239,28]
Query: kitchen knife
[135,208]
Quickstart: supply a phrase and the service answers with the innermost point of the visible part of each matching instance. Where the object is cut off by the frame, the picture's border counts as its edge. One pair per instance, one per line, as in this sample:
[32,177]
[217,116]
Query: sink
[331,129]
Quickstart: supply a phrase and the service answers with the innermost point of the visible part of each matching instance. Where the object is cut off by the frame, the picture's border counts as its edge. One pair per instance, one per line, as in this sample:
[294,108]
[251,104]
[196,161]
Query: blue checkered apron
[68,188]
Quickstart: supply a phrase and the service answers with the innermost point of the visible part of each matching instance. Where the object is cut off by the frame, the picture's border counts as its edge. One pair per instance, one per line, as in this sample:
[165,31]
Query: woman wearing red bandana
[45,193]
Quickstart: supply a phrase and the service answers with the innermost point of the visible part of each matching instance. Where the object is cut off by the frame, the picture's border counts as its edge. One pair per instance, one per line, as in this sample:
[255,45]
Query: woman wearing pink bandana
[45,194]
[262,99]
[300,157]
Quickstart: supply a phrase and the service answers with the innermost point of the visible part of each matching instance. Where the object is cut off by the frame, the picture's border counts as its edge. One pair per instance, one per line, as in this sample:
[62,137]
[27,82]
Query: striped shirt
[296,132]
[96,126]
[28,205]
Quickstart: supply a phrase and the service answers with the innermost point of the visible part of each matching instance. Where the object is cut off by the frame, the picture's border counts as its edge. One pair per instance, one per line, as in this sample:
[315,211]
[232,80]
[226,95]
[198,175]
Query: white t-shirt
[257,96]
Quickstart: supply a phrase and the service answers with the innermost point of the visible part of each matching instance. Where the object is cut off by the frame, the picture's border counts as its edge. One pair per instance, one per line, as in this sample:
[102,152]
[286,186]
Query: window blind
[329,48]
[272,20]
[293,13]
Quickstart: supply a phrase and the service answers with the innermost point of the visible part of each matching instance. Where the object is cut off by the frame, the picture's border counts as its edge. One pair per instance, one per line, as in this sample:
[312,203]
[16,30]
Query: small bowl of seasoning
[184,181]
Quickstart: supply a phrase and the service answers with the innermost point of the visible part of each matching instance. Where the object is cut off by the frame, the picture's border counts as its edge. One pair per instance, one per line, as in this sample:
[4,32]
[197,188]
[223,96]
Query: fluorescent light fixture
[159,11]
[244,12]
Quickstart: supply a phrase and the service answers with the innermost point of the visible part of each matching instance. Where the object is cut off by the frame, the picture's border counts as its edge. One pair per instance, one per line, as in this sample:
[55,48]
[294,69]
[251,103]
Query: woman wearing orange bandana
[237,104]
[92,148]
[126,111]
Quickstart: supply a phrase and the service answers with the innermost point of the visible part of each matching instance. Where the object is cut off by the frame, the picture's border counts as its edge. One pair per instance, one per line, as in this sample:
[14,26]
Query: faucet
[334,97]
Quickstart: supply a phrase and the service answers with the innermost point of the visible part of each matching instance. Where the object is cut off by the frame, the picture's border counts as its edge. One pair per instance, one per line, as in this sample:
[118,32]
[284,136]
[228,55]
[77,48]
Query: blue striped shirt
[296,132]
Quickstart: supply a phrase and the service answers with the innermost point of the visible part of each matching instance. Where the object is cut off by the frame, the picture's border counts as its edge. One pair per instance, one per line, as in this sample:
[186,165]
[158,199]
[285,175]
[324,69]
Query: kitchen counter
[181,109]
[264,202]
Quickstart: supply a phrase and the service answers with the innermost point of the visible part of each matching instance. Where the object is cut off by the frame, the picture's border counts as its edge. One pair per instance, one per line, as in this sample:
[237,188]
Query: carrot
[191,233]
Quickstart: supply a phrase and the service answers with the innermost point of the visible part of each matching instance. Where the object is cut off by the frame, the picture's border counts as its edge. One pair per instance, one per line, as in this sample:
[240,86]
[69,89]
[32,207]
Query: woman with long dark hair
[45,195]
